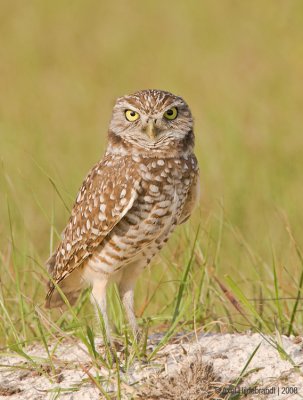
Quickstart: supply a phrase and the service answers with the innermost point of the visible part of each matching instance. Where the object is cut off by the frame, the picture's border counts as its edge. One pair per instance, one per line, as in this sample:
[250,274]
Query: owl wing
[191,199]
[106,195]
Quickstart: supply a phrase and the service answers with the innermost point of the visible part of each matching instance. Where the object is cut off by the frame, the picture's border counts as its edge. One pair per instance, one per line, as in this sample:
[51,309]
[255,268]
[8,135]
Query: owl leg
[126,291]
[127,297]
[99,299]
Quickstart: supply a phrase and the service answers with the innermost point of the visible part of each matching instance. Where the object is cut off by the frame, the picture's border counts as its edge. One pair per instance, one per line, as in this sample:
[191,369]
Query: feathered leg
[126,291]
[99,299]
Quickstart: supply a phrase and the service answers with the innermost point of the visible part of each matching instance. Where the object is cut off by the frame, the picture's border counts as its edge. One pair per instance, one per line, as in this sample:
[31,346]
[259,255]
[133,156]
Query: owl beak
[151,129]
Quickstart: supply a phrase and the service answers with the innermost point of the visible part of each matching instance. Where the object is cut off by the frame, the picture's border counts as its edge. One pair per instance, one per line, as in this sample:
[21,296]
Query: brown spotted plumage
[130,202]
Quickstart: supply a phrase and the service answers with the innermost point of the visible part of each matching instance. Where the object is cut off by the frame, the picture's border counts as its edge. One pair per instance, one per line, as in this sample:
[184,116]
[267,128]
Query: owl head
[151,119]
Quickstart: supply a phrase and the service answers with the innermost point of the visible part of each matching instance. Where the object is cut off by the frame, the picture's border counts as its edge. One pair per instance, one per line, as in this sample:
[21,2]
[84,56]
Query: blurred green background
[238,64]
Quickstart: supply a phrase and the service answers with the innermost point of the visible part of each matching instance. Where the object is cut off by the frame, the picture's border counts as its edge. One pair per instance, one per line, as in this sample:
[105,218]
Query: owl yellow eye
[131,115]
[171,113]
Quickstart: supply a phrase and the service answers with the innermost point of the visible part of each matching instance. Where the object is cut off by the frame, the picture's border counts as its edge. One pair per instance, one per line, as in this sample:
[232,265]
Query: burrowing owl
[130,202]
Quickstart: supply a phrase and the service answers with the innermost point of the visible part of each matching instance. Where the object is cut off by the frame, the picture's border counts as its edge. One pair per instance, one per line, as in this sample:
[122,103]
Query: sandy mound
[189,368]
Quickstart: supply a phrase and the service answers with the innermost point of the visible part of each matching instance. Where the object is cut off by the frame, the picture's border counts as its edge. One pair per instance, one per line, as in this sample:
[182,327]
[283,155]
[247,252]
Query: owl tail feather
[71,286]
[54,298]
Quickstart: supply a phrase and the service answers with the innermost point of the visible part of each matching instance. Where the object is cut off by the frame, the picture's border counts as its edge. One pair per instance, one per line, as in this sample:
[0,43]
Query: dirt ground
[271,374]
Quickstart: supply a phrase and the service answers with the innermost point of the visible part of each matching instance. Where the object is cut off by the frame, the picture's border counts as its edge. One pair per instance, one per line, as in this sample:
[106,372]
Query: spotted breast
[147,225]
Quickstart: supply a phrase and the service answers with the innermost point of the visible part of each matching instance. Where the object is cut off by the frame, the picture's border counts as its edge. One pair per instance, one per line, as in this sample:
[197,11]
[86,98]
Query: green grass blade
[184,279]
[242,373]
[246,303]
[295,307]
[276,285]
